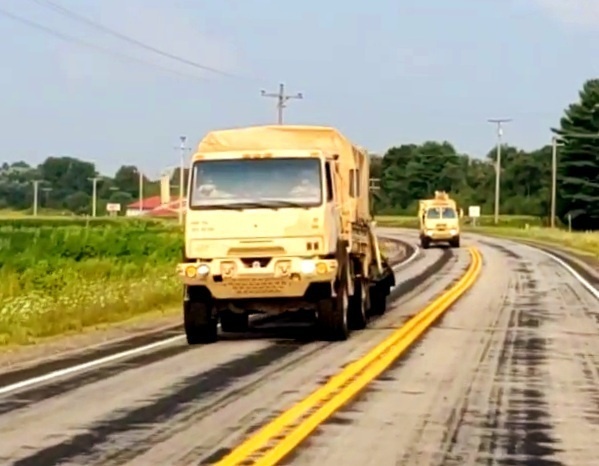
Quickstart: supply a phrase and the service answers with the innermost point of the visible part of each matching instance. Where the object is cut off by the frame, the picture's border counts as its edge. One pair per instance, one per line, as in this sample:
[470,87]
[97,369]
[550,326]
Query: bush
[58,276]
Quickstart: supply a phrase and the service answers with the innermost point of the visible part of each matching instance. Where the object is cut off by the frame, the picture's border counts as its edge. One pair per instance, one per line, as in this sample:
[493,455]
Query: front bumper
[282,277]
[441,235]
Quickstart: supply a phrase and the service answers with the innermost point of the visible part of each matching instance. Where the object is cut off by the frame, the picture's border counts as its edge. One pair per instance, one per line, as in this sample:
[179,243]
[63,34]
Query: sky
[385,72]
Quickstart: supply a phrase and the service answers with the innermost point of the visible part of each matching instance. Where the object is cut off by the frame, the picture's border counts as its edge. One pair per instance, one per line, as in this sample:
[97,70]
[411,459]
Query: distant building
[154,207]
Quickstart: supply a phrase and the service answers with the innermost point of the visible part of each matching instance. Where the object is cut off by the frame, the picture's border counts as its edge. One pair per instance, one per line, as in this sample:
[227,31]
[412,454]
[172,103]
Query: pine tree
[578,162]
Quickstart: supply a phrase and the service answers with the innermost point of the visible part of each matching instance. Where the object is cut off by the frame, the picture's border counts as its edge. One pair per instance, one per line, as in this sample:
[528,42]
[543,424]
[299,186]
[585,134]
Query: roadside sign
[474,211]
[113,207]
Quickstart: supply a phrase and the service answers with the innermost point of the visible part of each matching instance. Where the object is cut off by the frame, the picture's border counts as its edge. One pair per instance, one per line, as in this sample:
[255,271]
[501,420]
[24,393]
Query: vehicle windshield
[256,183]
[441,212]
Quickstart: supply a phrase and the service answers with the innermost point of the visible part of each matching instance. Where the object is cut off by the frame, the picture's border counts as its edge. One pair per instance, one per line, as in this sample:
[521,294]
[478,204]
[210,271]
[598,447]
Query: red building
[154,207]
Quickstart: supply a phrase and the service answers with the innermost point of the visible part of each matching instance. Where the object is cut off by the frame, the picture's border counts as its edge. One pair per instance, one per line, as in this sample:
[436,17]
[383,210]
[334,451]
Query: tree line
[407,172]
[414,171]
[66,184]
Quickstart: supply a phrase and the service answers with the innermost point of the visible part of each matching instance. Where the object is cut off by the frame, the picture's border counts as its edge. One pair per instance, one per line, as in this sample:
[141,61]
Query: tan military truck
[439,220]
[278,220]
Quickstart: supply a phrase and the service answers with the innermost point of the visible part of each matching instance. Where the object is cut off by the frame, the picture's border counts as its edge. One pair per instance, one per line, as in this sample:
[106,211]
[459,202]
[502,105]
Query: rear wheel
[378,298]
[234,322]
[199,320]
[358,317]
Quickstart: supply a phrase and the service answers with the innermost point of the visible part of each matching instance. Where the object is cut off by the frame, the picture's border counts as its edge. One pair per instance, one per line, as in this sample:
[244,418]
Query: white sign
[474,211]
[113,207]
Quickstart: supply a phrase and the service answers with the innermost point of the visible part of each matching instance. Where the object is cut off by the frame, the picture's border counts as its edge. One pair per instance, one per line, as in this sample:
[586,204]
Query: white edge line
[124,354]
[86,365]
[583,281]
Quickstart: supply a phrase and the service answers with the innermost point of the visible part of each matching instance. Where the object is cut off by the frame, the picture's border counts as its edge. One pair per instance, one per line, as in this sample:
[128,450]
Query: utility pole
[46,191]
[94,181]
[282,98]
[499,122]
[35,191]
[183,149]
[554,145]
[141,191]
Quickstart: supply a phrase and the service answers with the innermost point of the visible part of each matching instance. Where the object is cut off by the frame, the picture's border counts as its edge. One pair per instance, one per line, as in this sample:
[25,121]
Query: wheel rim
[363,300]
[345,300]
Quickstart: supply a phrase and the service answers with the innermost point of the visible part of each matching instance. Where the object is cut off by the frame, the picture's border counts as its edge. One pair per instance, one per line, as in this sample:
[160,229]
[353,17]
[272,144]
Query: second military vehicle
[439,220]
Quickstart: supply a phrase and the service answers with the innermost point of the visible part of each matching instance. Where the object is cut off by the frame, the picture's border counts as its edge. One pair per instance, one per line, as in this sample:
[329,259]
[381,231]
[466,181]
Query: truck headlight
[203,270]
[429,232]
[453,232]
[308,267]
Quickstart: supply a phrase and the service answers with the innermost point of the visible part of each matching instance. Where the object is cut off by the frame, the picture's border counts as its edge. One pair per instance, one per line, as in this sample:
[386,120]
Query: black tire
[201,326]
[425,243]
[332,314]
[455,243]
[378,298]
[234,322]
[357,311]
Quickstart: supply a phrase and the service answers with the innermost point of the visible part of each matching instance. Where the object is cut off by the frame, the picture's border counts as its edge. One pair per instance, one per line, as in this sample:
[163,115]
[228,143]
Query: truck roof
[277,137]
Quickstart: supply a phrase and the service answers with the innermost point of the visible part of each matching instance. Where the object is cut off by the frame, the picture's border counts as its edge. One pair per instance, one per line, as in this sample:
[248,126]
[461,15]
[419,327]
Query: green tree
[578,167]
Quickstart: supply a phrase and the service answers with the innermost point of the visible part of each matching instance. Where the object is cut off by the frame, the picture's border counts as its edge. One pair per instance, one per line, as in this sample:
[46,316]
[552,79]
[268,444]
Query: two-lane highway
[508,376]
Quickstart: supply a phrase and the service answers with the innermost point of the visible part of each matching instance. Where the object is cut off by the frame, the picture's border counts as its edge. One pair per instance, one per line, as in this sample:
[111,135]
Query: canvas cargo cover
[298,137]
[277,137]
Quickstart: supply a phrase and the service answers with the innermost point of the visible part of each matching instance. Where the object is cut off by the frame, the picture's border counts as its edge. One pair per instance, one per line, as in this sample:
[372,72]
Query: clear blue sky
[385,72]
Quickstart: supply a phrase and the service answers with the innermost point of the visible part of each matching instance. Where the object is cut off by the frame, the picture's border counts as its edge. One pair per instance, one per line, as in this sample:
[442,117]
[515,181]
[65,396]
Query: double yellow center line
[279,437]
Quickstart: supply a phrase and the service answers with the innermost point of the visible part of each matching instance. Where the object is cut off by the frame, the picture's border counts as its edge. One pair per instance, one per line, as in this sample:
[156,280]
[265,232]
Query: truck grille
[245,286]
[250,261]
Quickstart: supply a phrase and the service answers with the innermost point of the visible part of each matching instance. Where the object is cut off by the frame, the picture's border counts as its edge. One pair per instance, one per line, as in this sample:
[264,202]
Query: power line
[282,98]
[66,12]
[83,43]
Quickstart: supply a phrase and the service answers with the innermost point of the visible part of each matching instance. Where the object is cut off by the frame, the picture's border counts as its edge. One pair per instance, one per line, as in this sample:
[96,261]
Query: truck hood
[253,224]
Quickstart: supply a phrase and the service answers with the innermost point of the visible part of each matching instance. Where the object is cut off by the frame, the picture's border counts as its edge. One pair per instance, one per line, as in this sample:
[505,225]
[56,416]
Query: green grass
[62,276]
[586,243]
[515,227]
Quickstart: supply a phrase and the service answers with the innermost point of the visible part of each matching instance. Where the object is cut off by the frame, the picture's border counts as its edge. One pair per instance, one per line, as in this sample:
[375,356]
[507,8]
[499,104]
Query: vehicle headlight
[203,270]
[453,231]
[308,267]
[429,232]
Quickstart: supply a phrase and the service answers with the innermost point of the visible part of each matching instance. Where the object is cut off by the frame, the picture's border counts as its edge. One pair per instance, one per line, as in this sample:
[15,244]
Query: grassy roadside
[59,279]
[525,228]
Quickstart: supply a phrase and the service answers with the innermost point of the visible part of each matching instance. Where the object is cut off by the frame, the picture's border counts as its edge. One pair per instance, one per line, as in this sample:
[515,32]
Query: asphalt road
[510,376]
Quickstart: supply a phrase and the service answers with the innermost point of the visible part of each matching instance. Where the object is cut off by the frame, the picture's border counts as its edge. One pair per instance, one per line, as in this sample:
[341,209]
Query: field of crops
[61,275]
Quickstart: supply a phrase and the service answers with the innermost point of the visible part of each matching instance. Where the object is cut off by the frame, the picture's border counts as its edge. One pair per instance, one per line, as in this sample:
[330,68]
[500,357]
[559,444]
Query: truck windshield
[441,212]
[256,183]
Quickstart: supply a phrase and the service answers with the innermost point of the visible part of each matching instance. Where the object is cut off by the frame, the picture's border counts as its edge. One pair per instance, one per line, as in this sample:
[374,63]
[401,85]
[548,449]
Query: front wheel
[455,242]
[332,315]
[199,321]
[425,243]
